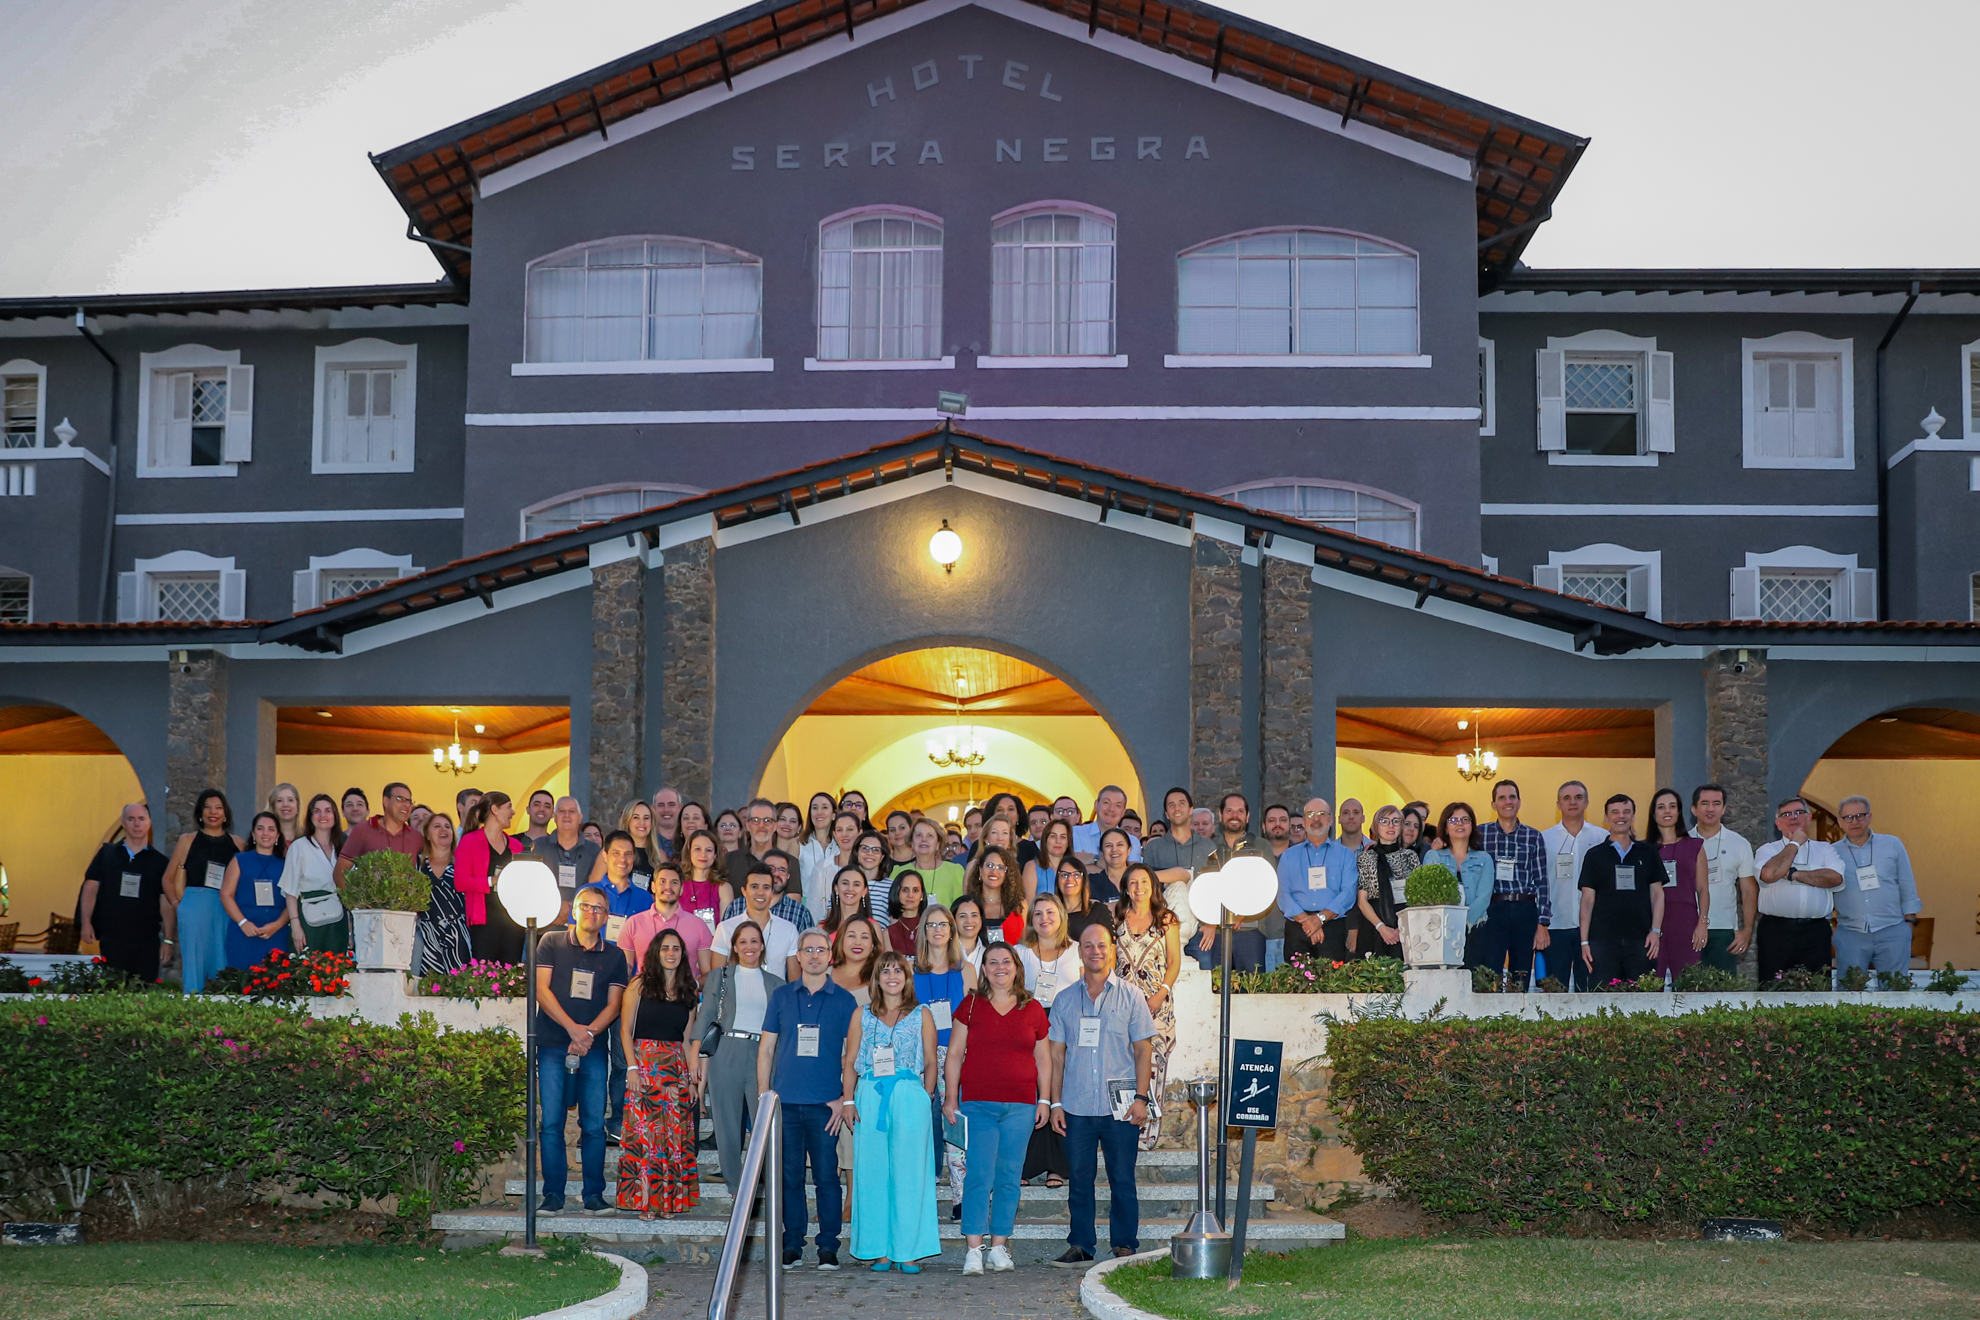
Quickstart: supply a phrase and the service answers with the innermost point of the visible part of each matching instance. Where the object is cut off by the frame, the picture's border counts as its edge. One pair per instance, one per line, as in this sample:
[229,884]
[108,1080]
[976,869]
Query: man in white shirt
[1733,884]
[1108,809]
[780,937]
[1798,877]
[1567,842]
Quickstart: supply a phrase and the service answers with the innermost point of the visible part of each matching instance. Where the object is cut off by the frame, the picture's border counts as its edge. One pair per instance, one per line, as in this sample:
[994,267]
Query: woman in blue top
[251,891]
[942,977]
[1457,827]
[194,875]
[890,1073]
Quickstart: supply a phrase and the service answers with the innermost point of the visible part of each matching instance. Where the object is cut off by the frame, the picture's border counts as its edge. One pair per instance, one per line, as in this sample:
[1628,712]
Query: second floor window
[16,597]
[20,411]
[1297,292]
[1603,410]
[645,299]
[572,511]
[1796,408]
[1343,508]
[189,418]
[1052,285]
[880,288]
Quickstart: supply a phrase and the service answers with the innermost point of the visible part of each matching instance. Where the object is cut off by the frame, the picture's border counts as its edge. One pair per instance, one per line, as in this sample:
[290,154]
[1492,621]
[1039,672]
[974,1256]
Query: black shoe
[550,1205]
[1074,1258]
[828,1260]
[612,1136]
[598,1205]
[955,1211]
[1123,1251]
[792,1259]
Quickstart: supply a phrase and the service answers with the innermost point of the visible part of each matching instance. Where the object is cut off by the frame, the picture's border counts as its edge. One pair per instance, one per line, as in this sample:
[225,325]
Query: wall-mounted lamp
[945,547]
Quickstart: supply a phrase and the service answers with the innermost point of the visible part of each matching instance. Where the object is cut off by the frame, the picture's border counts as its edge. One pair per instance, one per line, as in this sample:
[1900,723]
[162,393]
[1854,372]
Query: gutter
[1883,464]
[110,501]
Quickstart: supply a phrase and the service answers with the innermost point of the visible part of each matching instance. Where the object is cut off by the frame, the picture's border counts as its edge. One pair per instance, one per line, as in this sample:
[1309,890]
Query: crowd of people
[991,1004]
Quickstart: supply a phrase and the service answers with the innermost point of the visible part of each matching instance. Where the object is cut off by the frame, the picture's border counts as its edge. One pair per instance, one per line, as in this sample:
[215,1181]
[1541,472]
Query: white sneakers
[973,1262]
[1000,1259]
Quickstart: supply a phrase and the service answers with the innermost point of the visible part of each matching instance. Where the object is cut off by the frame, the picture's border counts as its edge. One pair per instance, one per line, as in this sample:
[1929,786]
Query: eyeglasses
[760,820]
[1797,811]
[937,925]
[398,797]
[594,909]
[869,847]
[1855,816]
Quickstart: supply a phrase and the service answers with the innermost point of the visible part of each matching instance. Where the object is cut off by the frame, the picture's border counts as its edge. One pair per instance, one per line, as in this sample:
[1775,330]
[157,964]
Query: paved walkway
[1030,1292]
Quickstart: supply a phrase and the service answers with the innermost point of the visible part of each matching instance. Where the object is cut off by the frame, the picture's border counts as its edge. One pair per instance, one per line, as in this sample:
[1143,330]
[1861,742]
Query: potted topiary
[1433,924]
[385,892]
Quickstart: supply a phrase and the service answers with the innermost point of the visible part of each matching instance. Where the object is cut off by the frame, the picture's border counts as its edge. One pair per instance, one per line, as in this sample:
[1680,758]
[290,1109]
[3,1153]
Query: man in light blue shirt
[1109,809]
[1878,897]
[1317,884]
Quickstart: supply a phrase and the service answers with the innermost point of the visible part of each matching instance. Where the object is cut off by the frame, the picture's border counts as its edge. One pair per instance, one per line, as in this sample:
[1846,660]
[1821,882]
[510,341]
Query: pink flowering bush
[477,980]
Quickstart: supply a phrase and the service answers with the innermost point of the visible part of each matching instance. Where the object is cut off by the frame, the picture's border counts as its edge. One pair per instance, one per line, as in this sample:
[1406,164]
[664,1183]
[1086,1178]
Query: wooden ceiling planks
[417,730]
[51,730]
[924,682]
[1433,731]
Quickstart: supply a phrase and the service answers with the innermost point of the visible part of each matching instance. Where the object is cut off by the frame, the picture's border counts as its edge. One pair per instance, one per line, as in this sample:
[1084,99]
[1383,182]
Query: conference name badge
[128,886]
[1089,1033]
[580,984]
[883,1060]
[1626,877]
[807,1041]
[1866,878]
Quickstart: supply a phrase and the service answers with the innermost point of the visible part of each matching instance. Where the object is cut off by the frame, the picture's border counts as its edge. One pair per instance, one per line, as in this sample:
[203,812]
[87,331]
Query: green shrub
[1304,975]
[1832,1114]
[1433,886]
[1948,980]
[133,1086]
[1704,978]
[1799,980]
[388,880]
[1853,979]
[1895,981]
[478,980]
[1484,981]
[95,977]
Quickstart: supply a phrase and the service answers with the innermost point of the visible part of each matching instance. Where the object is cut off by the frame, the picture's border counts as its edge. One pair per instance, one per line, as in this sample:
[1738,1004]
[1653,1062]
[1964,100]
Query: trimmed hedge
[1822,1115]
[142,1087]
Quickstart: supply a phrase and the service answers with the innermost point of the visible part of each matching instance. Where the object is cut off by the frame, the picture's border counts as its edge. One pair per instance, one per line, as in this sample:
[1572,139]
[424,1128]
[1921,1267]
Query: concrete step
[1150,1166]
[1153,1196]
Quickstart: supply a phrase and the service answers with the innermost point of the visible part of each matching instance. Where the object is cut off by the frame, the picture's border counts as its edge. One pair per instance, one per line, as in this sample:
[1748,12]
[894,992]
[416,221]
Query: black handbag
[712,1037]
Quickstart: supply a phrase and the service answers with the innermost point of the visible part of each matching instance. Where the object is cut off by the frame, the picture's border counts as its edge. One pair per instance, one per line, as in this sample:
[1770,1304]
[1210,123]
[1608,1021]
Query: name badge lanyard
[809,1033]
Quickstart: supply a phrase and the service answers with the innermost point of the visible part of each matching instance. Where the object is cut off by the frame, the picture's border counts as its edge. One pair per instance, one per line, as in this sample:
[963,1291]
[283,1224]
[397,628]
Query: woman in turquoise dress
[252,895]
[889,1079]
[195,875]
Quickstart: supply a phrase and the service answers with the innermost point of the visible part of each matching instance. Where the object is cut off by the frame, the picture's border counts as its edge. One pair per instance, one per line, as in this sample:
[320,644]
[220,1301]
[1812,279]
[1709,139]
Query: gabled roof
[1520,164]
[1898,280]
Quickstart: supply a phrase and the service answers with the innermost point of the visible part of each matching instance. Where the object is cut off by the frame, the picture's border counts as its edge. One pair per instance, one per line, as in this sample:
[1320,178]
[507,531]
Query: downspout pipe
[1884,466]
[110,503]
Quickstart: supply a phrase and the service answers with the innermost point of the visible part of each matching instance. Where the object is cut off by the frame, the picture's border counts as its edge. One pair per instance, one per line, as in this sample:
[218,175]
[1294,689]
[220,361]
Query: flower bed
[477,981]
[284,976]
[1304,975]
[95,977]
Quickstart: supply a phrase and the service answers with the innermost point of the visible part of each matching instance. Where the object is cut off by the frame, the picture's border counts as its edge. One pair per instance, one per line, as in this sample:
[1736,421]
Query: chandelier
[962,749]
[450,759]
[1477,763]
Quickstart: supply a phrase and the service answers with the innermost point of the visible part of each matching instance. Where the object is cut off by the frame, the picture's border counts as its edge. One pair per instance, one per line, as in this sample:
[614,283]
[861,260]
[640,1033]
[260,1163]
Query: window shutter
[1548,576]
[239,444]
[1862,595]
[1550,366]
[305,589]
[127,598]
[1746,593]
[401,425]
[1637,598]
[1659,414]
[233,593]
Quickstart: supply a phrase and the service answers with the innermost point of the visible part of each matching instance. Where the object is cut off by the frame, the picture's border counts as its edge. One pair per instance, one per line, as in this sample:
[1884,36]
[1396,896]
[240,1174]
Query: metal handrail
[766,1149]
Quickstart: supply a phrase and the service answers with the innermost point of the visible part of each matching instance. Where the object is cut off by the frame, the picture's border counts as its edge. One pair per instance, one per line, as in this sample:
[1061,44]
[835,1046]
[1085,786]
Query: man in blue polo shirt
[1317,888]
[580,980]
[805,1025]
[1878,899]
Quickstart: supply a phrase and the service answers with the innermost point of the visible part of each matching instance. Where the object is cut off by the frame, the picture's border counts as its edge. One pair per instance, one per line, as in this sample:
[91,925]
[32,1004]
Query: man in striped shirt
[1516,923]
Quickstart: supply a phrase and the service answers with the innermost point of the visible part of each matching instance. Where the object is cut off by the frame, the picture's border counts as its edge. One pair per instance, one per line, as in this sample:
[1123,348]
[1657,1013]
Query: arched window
[644,299]
[1052,283]
[880,287]
[1374,514]
[582,507]
[1297,292]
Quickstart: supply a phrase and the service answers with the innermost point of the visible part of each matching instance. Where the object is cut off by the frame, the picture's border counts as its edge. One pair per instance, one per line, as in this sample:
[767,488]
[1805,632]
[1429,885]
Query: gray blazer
[718,997]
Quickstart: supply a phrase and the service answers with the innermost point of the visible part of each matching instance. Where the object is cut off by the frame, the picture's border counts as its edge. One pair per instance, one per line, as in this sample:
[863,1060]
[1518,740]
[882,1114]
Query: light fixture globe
[529,892]
[1249,886]
[945,547]
[1203,904]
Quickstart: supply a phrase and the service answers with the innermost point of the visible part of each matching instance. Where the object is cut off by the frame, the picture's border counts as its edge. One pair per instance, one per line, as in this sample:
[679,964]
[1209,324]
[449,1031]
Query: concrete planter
[1433,936]
[383,939]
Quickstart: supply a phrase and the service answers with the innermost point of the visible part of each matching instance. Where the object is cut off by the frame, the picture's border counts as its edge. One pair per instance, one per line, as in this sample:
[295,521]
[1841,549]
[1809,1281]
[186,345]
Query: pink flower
[460,1147]
[41,1022]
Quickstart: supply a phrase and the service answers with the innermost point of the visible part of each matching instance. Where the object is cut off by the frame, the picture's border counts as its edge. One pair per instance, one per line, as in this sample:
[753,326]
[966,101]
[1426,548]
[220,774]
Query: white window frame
[1488,369]
[1314,360]
[366,352]
[642,366]
[181,357]
[942,361]
[523,517]
[1656,435]
[308,589]
[1415,509]
[995,360]
[1800,343]
[23,367]
[137,591]
[1853,598]
[1969,377]
[6,572]
[1643,571]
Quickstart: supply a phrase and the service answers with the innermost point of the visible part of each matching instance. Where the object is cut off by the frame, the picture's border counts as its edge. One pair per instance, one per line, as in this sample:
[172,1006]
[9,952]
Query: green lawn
[240,1282]
[1559,1279]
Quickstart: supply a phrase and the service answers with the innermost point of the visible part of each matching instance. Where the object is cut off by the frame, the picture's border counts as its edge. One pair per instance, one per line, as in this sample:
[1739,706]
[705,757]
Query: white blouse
[1046,979]
[310,877]
[751,999]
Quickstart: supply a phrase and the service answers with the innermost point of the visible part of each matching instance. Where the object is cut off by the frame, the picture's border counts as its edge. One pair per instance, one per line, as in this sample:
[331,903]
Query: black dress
[443,928]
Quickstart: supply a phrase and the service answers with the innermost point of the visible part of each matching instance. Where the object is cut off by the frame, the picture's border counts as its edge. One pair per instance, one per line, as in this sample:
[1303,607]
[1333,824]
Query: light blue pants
[202,937]
[1275,955]
[893,1175]
[1888,950]
[999,1135]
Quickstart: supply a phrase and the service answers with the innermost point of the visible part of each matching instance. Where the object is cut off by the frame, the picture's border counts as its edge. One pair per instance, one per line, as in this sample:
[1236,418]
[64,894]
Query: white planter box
[1433,936]
[384,939]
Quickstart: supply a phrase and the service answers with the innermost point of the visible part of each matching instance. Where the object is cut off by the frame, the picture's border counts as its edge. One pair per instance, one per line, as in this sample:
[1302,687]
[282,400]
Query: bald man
[1317,887]
[567,853]
[125,909]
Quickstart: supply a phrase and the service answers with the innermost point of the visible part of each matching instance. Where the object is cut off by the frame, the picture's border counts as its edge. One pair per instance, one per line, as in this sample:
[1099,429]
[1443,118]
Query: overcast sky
[155,145]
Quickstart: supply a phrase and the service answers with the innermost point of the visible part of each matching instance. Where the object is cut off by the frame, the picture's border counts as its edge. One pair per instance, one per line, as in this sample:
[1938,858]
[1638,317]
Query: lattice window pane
[1601,386]
[1603,586]
[22,411]
[336,586]
[209,401]
[16,598]
[188,599]
[1797,598]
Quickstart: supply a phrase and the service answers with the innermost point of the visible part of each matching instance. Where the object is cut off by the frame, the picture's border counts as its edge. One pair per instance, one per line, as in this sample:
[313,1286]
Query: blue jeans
[805,1135]
[999,1135]
[1889,949]
[1116,1141]
[1506,936]
[1275,955]
[557,1091]
[1247,951]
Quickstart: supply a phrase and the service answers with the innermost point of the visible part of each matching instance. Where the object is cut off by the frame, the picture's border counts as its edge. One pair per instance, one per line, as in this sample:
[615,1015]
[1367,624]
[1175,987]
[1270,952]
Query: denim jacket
[1475,874]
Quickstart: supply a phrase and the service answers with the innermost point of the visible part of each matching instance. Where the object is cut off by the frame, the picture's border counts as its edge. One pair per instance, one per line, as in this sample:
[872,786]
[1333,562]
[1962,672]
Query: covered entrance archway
[885,729]
[63,786]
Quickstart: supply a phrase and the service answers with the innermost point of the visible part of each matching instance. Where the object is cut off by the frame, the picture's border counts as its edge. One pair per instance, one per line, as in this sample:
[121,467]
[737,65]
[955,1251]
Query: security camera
[1739,669]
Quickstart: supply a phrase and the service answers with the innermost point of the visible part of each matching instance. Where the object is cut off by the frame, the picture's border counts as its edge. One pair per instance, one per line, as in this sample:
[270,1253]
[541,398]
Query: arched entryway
[884,728]
[63,785]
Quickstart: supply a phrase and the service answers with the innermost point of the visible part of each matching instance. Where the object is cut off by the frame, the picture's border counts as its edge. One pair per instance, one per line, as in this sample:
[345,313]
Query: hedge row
[1822,1115]
[142,1086]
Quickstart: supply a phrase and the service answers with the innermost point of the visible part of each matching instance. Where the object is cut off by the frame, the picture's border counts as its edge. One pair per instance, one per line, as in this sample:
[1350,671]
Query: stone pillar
[1285,724]
[1736,739]
[687,674]
[1216,669]
[195,738]
[618,686]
